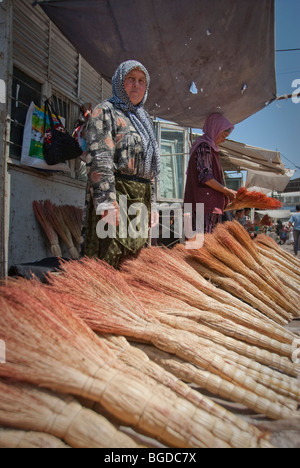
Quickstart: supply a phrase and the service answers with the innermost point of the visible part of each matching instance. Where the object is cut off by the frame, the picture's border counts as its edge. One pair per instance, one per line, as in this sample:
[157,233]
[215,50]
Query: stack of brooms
[60,223]
[129,346]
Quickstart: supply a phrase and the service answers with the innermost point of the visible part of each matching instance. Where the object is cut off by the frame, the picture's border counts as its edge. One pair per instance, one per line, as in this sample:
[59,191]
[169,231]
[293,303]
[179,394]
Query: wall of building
[32,47]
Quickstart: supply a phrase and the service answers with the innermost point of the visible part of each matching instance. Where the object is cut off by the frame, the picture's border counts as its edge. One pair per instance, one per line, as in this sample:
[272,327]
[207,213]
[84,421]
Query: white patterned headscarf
[138,115]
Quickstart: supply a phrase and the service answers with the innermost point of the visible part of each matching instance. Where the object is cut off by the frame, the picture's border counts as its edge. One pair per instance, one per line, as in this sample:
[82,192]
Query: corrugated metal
[30,39]
[106,89]
[90,85]
[64,64]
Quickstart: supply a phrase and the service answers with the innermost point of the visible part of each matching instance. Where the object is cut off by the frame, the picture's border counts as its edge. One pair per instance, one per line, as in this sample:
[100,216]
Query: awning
[237,156]
[266,181]
[277,214]
[203,56]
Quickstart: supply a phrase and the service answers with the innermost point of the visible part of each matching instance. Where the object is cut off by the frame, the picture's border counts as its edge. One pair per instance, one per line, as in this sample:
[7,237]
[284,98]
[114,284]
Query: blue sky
[277,127]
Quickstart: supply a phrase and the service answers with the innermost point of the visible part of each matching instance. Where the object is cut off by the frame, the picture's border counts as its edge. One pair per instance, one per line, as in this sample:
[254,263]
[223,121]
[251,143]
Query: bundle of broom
[58,415]
[13,438]
[72,216]
[50,347]
[107,305]
[258,267]
[282,266]
[226,263]
[265,221]
[282,304]
[42,217]
[248,199]
[56,218]
[235,284]
[210,326]
[134,356]
[219,418]
[268,247]
[167,273]
[196,376]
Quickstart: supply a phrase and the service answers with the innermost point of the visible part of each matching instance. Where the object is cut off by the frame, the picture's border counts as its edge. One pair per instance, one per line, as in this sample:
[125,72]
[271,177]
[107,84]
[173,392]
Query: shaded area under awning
[203,56]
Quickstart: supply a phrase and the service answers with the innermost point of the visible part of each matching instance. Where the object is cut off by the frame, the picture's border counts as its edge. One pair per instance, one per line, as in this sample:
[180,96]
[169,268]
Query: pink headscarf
[214,125]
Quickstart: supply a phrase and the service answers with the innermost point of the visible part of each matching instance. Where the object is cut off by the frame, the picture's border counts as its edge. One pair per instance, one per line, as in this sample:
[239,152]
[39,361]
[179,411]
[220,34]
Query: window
[173,144]
[24,90]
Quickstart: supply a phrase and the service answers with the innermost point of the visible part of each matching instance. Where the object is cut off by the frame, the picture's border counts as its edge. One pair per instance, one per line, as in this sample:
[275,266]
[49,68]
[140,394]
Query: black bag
[59,146]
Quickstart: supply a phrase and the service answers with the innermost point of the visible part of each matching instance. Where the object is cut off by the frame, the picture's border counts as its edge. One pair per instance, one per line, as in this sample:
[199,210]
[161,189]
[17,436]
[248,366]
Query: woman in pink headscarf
[205,181]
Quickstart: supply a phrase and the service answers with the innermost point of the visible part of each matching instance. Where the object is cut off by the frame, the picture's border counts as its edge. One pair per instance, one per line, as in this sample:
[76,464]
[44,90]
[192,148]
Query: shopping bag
[32,147]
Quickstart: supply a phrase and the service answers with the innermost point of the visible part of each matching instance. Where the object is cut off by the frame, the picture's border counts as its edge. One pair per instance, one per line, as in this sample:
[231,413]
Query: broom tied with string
[72,217]
[271,244]
[55,216]
[12,438]
[126,316]
[134,356]
[219,419]
[58,415]
[39,211]
[148,269]
[193,374]
[239,287]
[67,357]
[219,331]
[266,274]
[233,262]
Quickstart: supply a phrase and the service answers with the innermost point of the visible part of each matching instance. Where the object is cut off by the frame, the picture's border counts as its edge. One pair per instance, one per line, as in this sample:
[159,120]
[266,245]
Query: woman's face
[135,86]
[222,137]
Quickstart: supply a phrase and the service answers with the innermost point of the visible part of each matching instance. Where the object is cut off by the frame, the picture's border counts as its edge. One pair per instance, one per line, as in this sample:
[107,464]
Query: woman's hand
[231,194]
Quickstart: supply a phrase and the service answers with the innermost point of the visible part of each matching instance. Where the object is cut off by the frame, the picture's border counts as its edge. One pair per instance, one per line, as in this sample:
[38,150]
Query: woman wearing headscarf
[123,159]
[205,180]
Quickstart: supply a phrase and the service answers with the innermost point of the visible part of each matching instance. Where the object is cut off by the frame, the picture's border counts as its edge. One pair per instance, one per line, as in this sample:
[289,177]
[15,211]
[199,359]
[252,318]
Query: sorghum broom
[148,269]
[121,313]
[223,423]
[153,299]
[72,216]
[269,242]
[52,348]
[194,375]
[265,374]
[271,256]
[228,241]
[245,198]
[38,208]
[258,266]
[175,261]
[58,223]
[232,261]
[268,253]
[282,271]
[221,331]
[237,287]
[12,438]
[31,408]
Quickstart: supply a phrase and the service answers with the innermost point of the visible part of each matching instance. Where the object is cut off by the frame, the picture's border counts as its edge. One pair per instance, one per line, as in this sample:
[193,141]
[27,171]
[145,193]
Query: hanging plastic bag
[32,148]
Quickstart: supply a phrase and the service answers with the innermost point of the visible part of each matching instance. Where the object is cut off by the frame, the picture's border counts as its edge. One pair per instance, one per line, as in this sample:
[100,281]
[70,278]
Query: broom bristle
[55,216]
[245,198]
[39,211]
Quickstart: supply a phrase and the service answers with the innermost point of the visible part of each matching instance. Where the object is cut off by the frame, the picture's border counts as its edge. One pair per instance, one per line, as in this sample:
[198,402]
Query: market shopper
[295,222]
[123,160]
[205,181]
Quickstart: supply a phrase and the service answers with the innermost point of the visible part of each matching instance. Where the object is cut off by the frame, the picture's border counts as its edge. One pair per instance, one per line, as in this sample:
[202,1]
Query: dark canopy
[203,56]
